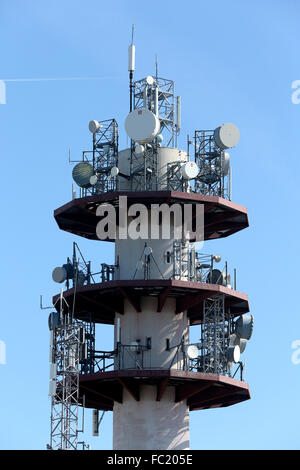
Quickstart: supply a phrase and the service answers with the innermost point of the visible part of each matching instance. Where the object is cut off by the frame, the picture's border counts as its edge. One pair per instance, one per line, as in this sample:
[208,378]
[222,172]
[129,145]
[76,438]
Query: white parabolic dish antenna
[227,136]
[142,125]
[192,351]
[94,126]
[233,353]
[114,171]
[189,170]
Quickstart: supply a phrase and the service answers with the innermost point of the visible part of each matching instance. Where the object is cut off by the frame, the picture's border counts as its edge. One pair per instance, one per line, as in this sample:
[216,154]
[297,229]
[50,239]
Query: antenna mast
[131,66]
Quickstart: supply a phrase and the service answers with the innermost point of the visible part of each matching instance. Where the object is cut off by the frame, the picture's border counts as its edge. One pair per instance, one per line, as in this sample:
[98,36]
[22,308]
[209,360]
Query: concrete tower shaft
[160,336]
[149,423]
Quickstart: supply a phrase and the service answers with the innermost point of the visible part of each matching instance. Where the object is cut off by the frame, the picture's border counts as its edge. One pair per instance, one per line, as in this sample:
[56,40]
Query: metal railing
[138,357]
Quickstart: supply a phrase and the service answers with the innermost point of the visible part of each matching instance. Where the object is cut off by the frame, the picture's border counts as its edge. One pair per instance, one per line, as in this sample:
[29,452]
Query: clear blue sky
[231,61]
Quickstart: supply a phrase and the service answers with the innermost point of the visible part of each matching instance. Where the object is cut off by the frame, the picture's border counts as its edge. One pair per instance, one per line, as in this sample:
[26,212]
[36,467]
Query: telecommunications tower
[157,288]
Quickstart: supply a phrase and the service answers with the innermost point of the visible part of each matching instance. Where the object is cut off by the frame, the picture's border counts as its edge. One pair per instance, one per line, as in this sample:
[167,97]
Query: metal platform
[221,217]
[202,391]
[103,299]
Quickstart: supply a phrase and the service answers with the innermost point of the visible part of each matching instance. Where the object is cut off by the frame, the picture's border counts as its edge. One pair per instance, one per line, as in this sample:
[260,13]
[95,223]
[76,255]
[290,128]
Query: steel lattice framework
[65,401]
[143,171]
[103,157]
[209,158]
[213,336]
[143,96]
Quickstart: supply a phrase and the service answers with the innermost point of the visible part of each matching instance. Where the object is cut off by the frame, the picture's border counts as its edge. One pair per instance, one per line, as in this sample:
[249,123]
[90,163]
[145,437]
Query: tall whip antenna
[131,66]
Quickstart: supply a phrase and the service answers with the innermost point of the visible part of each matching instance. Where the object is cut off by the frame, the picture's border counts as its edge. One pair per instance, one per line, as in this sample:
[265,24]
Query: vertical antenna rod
[131,66]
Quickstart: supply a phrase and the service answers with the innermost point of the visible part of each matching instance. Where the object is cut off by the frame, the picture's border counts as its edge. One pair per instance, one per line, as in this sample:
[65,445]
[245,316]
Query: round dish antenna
[149,80]
[82,173]
[142,125]
[233,354]
[226,136]
[216,277]
[244,326]
[192,351]
[139,149]
[59,274]
[114,171]
[93,180]
[189,170]
[94,126]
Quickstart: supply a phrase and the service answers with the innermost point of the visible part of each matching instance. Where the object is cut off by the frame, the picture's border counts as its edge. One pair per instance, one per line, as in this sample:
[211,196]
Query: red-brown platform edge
[221,217]
[100,301]
[201,391]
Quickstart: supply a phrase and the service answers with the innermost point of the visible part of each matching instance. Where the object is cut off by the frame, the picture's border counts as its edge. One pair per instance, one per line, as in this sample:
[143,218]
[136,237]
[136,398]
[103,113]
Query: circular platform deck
[201,390]
[221,217]
[103,300]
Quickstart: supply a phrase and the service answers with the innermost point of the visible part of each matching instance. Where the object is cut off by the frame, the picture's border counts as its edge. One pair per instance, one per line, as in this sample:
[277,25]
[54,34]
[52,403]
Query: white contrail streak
[57,79]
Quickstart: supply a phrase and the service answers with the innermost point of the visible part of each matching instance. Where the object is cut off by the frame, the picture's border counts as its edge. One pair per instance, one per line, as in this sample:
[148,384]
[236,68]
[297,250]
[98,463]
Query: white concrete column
[151,424]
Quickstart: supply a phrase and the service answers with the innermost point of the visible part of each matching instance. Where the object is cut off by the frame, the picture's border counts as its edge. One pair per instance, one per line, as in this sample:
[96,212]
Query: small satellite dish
[82,173]
[244,326]
[149,80]
[94,126]
[225,163]
[114,171]
[226,136]
[160,138]
[139,149]
[233,354]
[189,170]
[59,274]
[216,277]
[217,258]
[93,180]
[142,125]
[148,251]
[192,351]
